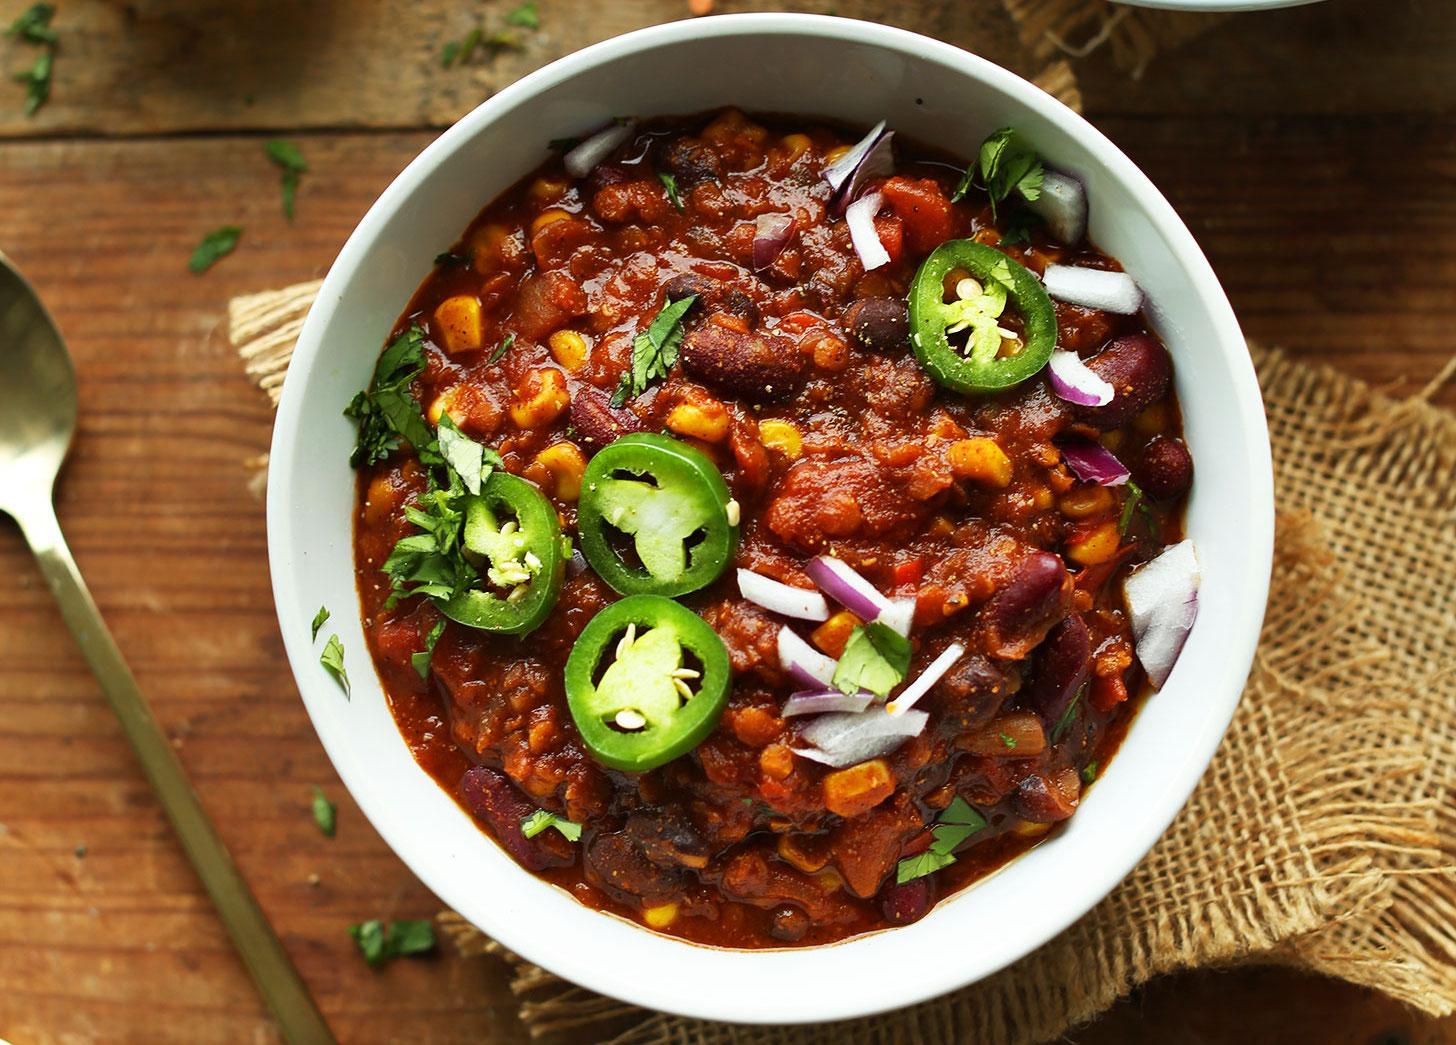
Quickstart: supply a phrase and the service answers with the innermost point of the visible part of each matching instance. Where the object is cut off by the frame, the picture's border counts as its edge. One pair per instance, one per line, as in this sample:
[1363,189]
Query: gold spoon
[37,420]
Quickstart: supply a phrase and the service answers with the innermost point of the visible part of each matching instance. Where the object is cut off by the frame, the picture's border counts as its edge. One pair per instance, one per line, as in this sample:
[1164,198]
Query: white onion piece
[1075,382]
[899,615]
[847,739]
[861,218]
[912,693]
[580,161]
[1093,288]
[771,234]
[1094,463]
[782,598]
[838,172]
[1162,602]
[821,701]
[878,162]
[803,661]
[1062,204]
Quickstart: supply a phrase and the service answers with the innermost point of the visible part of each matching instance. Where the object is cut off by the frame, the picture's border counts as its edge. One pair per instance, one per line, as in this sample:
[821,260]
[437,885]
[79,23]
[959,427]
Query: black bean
[879,324]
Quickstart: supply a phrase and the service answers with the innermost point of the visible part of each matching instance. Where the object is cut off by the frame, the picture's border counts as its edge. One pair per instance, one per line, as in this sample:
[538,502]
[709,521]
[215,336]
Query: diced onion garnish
[1162,602]
[878,162]
[845,739]
[846,587]
[862,231]
[899,615]
[580,161]
[1093,288]
[803,661]
[1062,204]
[911,694]
[771,234]
[1094,463]
[1075,382]
[782,598]
[838,172]
[821,701]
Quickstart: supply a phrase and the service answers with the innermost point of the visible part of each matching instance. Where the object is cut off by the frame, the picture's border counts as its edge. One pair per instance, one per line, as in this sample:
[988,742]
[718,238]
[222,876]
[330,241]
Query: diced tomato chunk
[892,236]
[924,209]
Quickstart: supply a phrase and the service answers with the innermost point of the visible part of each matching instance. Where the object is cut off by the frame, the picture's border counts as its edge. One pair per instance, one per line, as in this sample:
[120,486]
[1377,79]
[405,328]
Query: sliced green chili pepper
[636,703]
[513,536]
[996,280]
[672,503]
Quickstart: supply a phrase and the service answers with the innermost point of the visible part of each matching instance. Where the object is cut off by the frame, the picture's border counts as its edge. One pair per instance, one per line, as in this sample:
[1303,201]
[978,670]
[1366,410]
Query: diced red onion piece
[803,661]
[771,234]
[911,694]
[899,615]
[821,701]
[1093,288]
[846,739]
[1075,382]
[1094,463]
[582,158]
[1062,204]
[782,598]
[838,172]
[862,232]
[878,162]
[846,587]
[1162,603]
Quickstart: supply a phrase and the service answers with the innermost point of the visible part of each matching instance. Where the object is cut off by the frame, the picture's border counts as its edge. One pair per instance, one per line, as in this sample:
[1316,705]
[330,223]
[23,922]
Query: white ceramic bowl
[829,67]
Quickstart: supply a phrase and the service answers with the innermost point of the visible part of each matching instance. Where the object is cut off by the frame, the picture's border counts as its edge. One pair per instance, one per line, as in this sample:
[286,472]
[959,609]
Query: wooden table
[1312,151]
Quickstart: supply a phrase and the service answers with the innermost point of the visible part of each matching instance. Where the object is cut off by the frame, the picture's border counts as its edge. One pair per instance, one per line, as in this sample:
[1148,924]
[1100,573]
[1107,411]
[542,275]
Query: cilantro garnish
[876,658]
[501,349]
[462,49]
[654,351]
[332,658]
[1019,228]
[670,184]
[1136,501]
[37,81]
[421,661]
[1008,741]
[525,16]
[34,25]
[379,944]
[286,155]
[957,822]
[1089,772]
[324,813]
[215,245]
[319,620]
[469,459]
[1068,716]
[387,409]
[1006,164]
[541,819]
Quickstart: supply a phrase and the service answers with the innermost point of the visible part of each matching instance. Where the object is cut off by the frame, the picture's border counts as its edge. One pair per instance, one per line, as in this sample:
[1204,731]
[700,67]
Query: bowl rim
[872,994]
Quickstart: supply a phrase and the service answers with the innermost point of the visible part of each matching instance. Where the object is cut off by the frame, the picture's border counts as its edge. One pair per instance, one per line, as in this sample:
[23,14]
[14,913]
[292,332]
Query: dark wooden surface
[1313,152]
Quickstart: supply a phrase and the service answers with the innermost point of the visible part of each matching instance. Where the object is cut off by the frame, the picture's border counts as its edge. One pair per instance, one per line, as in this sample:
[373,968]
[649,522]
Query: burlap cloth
[1323,835]
[1077,28]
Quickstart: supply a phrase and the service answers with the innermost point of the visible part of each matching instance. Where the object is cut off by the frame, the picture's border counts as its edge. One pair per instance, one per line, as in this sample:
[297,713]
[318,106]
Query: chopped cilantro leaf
[670,184]
[324,813]
[1006,164]
[1089,772]
[460,51]
[1008,740]
[654,351]
[1019,228]
[332,658]
[956,823]
[525,16]
[471,461]
[37,81]
[286,155]
[216,244]
[421,661]
[379,944]
[34,25]
[875,658]
[920,865]
[1068,716]
[388,410]
[541,819]
[502,348]
[319,620]
[1134,495]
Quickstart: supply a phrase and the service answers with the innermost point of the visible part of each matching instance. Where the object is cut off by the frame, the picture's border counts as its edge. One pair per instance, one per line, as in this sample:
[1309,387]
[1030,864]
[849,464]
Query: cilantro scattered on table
[525,17]
[325,813]
[460,51]
[654,351]
[541,819]
[215,245]
[876,658]
[34,25]
[956,823]
[332,658]
[379,943]
[286,155]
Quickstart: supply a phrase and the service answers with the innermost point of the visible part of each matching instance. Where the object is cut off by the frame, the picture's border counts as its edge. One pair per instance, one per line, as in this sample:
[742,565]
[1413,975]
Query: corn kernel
[548,217]
[568,348]
[1097,546]
[1086,502]
[833,634]
[1152,420]
[859,788]
[981,459]
[781,437]
[1042,499]
[661,916]
[566,463]
[445,403]
[1029,829]
[707,420]
[797,145]
[459,321]
[540,399]
[548,189]
[836,154]
[485,247]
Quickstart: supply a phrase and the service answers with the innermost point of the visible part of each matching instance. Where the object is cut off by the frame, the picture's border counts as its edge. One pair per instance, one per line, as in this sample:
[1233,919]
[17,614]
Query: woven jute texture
[1076,28]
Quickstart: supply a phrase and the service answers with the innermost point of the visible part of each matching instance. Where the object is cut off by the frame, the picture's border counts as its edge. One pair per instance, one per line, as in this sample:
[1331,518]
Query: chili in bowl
[766,526]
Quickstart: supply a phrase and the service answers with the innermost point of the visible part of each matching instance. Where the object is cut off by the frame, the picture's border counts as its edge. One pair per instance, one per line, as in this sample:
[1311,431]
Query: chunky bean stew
[764,530]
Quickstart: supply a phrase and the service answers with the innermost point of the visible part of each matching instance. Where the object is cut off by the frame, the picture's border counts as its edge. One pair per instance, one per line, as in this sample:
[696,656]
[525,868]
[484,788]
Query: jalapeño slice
[513,537]
[995,281]
[670,502]
[646,682]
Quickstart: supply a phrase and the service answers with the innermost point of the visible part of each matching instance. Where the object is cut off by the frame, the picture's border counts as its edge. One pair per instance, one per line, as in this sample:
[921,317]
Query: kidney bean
[759,367]
[602,175]
[596,421]
[972,692]
[879,324]
[691,161]
[714,295]
[491,796]
[1046,801]
[1165,468]
[1062,667]
[906,903]
[1019,615]
[616,865]
[788,924]
[1139,370]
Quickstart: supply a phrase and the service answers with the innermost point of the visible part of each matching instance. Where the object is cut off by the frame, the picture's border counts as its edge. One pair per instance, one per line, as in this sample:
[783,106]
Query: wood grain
[1335,236]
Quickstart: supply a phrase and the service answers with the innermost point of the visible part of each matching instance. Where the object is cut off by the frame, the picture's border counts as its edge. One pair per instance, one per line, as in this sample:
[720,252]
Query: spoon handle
[277,980]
